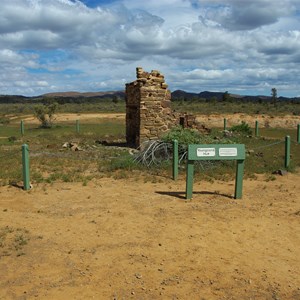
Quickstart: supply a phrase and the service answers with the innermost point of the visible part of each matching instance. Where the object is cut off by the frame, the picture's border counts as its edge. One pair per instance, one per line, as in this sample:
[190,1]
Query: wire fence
[150,154]
[68,127]
[267,146]
[156,152]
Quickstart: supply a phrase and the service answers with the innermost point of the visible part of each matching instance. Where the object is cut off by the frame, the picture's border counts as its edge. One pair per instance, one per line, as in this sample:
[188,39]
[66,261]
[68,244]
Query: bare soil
[214,120]
[131,239]
[86,117]
[287,121]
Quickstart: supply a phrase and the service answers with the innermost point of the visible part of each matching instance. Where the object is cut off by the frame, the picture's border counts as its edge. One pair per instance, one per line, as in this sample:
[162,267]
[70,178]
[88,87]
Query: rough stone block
[158,79]
[164,128]
[144,131]
[165,104]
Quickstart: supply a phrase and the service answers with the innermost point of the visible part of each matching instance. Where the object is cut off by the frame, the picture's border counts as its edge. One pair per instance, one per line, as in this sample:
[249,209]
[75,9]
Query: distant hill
[98,97]
[87,94]
[65,97]
[182,95]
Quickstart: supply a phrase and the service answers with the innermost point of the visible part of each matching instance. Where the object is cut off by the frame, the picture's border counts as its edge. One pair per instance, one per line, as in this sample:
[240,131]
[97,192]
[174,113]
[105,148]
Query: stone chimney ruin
[148,108]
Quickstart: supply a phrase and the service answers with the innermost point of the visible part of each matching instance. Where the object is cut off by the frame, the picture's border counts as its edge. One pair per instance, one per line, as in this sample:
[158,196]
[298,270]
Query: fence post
[22,127]
[175,160]
[298,133]
[225,124]
[25,162]
[256,129]
[287,151]
[77,126]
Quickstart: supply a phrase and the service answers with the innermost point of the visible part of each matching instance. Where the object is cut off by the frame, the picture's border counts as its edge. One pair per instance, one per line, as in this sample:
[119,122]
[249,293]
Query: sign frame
[216,152]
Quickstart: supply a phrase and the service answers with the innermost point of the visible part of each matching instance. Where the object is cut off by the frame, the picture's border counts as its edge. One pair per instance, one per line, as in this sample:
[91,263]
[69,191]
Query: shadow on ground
[181,195]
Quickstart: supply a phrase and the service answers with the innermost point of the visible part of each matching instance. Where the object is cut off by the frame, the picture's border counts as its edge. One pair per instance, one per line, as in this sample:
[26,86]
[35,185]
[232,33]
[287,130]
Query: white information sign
[206,152]
[228,152]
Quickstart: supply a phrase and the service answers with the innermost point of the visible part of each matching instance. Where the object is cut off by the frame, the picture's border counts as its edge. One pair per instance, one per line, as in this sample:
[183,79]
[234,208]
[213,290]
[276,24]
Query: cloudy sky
[239,46]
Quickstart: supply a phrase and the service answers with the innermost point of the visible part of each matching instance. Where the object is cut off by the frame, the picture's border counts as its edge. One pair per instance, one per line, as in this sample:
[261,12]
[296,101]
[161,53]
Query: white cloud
[42,83]
[197,44]
[242,15]
[10,58]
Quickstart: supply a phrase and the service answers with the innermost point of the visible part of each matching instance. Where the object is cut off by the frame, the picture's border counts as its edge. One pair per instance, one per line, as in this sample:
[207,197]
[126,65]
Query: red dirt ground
[131,239]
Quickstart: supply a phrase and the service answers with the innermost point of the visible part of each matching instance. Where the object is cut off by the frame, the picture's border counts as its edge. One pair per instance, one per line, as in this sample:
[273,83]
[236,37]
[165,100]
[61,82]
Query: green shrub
[45,114]
[187,136]
[4,120]
[242,128]
[183,136]
[12,139]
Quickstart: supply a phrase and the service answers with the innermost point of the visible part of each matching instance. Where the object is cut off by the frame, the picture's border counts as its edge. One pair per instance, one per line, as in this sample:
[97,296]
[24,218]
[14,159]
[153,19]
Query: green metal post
[287,151]
[298,133]
[239,179]
[225,124]
[256,129]
[25,161]
[77,126]
[175,160]
[189,179]
[22,127]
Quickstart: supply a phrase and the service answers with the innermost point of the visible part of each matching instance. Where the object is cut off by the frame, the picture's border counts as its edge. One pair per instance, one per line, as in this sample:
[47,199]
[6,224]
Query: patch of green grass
[7,131]
[267,155]
[104,129]
[123,162]
[278,133]
[10,166]
[49,162]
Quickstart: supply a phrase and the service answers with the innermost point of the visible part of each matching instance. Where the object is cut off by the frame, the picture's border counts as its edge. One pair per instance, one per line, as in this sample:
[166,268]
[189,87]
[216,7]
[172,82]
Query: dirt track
[127,239]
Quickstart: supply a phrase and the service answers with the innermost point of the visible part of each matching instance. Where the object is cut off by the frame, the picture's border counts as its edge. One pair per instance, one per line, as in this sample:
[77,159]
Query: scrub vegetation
[103,152]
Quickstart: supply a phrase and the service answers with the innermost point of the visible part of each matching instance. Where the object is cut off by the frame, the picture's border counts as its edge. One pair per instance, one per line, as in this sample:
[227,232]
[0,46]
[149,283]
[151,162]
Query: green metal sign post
[256,129]
[25,163]
[175,160]
[225,124]
[77,126]
[287,156]
[216,152]
[298,133]
[22,127]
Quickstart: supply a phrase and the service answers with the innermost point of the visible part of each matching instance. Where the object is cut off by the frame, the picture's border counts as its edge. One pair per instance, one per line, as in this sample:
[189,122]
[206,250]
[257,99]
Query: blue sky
[239,46]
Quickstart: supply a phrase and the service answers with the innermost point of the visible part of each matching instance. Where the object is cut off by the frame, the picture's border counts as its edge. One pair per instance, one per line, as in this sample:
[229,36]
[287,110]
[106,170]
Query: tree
[115,99]
[213,99]
[45,114]
[226,97]
[274,95]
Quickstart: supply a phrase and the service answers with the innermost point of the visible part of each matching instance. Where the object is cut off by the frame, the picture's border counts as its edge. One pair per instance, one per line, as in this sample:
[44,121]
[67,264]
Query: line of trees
[15,99]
